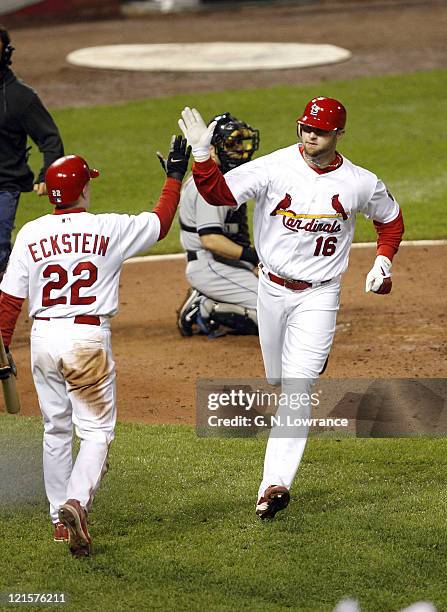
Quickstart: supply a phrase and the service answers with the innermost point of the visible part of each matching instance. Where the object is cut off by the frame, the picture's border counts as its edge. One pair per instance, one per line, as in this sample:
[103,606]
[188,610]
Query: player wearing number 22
[307,197]
[68,264]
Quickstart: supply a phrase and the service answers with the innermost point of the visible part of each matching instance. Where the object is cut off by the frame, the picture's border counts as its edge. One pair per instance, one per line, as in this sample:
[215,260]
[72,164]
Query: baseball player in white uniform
[307,198]
[222,265]
[68,265]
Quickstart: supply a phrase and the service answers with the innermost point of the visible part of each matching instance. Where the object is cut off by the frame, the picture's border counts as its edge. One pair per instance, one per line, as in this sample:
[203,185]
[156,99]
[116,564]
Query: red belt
[290,283]
[79,319]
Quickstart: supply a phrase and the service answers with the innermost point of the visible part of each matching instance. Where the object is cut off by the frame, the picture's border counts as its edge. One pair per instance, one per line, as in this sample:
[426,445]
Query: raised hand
[197,133]
[176,165]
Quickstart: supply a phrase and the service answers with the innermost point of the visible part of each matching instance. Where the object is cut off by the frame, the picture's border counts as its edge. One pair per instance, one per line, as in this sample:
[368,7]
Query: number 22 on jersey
[71,294]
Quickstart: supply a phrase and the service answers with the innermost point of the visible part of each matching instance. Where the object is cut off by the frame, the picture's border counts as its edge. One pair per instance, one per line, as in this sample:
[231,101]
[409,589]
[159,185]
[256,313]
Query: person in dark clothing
[22,114]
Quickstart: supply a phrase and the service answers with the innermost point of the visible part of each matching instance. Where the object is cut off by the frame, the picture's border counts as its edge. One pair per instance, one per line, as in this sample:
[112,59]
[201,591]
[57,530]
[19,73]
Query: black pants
[9,201]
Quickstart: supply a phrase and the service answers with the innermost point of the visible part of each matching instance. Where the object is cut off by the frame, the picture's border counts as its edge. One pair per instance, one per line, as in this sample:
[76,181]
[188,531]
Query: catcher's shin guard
[240,320]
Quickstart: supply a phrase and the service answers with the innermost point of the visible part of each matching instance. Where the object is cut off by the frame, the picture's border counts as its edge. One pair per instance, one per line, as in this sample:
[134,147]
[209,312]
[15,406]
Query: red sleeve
[167,205]
[389,236]
[211,184]
[10,307]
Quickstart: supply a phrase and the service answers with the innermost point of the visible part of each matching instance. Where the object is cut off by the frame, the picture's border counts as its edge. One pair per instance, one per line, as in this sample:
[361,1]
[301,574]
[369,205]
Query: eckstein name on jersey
[76,242]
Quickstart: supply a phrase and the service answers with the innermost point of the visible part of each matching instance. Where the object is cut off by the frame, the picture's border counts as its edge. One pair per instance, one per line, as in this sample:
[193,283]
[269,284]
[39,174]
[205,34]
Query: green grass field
[396,127]
[174,525]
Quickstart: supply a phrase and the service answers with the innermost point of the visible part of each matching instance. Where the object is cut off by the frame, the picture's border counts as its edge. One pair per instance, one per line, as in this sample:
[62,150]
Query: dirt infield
[400,335]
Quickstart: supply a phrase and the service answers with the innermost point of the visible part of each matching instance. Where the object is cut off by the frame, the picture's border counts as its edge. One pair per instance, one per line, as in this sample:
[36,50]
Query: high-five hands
[197,133]
[378,279]
[176,164]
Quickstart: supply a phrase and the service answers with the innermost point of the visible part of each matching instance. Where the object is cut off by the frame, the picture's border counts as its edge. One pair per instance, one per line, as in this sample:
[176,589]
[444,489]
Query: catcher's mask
[7,49]
[235,141]
[66,178]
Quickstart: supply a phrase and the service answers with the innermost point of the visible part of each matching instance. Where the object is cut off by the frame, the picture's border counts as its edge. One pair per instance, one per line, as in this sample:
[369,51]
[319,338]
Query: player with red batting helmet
[68,265]
[307,197]
[66,178]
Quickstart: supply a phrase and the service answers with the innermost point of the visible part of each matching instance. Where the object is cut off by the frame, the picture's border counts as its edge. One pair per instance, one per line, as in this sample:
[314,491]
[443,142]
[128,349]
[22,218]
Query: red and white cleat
[74,517]
[275,498]
[60,533]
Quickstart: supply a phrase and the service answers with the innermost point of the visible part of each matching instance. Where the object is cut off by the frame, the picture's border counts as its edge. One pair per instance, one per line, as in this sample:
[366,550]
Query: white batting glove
[378,279]
[197,133]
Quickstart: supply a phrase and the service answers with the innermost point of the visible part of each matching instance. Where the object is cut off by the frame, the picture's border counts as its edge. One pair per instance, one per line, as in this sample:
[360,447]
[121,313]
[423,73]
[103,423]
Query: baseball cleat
[60,533]
[74,517]
[275,498]
[187,314]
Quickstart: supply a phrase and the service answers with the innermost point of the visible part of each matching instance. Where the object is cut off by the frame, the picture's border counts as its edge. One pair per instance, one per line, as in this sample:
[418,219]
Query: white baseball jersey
[69,264]
[304,221]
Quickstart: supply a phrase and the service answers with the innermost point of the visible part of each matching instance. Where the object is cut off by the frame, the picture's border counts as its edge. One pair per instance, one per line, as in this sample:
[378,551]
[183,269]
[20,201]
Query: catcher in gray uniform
[222,265]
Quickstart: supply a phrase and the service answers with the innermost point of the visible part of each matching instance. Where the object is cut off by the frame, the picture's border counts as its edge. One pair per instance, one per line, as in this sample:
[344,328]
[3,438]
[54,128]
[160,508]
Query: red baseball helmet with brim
[324,114]
[66,178]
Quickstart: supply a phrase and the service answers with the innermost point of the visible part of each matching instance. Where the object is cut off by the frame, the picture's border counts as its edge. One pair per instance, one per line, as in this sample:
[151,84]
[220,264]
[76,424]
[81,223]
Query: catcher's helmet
[66,178]
[234,140]
[324,113]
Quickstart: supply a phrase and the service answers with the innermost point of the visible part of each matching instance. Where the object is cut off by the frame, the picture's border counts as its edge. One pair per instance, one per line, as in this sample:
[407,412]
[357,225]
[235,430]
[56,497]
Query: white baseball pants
[296,329]
[223,283]
[74,376]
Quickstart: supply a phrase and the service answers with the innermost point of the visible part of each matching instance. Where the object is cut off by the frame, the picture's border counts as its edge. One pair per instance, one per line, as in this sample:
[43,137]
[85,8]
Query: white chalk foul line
[154,258]
[356,245]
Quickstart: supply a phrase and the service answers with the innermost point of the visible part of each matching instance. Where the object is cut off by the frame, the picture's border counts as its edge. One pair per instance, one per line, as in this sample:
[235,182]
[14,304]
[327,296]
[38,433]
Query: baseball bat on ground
[7,376]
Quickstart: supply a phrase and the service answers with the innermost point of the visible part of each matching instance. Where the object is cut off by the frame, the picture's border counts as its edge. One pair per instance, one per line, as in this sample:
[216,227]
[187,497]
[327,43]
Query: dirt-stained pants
[74,375]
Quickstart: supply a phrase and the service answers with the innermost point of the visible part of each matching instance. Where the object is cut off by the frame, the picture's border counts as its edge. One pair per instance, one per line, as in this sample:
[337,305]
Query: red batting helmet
[66,178]
[324,113]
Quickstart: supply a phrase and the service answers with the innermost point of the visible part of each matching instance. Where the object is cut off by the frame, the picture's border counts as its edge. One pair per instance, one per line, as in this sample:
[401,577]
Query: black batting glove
[176,165]
[7,370]
[11,361]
